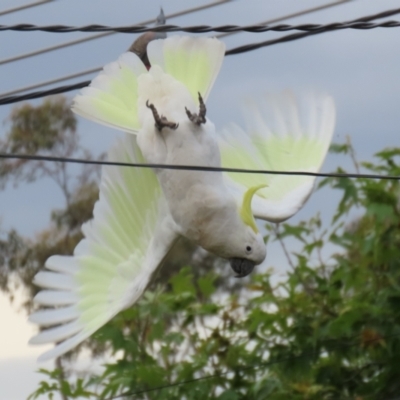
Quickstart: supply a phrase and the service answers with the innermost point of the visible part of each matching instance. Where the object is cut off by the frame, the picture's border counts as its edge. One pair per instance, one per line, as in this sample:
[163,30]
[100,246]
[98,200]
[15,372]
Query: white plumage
[112,266]
[141,212]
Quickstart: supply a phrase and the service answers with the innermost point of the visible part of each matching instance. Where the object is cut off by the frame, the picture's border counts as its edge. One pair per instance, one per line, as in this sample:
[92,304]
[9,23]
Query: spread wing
[128,238]
[295,138]
[111,98]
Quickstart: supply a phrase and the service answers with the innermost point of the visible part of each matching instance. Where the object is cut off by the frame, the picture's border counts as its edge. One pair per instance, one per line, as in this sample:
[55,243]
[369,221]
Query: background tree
[329,330]
[48,129]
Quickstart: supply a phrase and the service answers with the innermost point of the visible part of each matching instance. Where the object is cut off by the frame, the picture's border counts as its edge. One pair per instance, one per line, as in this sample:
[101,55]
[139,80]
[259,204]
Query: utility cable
[221,35]
[294,15]
[101,35]
[51,82]
[333,26]
[24,7]
[43,93]
[236,50]
[296,36]
[195,167]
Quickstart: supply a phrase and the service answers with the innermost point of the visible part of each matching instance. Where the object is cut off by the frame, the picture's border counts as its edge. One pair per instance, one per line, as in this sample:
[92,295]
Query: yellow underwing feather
[112,265]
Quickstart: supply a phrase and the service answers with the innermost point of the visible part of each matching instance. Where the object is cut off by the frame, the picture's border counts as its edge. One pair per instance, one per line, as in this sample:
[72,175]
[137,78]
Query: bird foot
[161,122]
[199,118]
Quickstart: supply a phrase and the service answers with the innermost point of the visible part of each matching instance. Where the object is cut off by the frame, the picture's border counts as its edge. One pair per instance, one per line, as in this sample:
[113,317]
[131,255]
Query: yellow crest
[245,212]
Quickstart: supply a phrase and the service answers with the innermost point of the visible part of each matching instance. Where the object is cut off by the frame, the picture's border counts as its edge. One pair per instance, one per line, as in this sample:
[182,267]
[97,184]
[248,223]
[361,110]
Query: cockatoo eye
[248,249]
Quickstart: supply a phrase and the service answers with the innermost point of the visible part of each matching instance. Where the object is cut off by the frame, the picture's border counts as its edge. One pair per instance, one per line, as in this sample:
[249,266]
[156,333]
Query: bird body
[142,212]
[200,204]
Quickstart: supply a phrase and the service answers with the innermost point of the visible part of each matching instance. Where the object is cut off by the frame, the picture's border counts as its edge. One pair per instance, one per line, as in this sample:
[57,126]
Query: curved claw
[199,118]
[160,122]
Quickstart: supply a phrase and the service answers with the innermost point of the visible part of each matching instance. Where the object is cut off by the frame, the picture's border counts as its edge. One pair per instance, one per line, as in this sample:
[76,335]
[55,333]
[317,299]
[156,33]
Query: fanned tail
[195,62]
[112,97]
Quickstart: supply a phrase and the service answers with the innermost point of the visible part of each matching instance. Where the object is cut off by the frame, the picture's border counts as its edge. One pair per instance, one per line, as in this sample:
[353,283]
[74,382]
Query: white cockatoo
[142,212]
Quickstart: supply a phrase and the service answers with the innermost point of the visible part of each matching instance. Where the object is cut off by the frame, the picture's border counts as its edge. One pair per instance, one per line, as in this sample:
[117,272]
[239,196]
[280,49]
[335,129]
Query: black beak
[242,266]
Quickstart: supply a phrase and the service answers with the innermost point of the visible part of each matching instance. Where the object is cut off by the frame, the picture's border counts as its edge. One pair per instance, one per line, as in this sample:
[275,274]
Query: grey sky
[359,68]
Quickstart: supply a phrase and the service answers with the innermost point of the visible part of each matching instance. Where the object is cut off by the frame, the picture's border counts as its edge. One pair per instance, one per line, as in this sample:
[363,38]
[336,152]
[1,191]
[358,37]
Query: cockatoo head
[251,253]
[250,248]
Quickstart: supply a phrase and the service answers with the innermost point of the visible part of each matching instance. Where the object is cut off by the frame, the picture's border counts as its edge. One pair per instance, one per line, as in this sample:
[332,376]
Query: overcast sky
[359,68]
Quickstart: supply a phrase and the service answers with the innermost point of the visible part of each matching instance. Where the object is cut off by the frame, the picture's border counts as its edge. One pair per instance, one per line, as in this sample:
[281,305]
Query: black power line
[360,23]
[236,50]
[201,28]
[309,29]
[296,36]
[43,93]
[99,68]
[195,167]
[86,39]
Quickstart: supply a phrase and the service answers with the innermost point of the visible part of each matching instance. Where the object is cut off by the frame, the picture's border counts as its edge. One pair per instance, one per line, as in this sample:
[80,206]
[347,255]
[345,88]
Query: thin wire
[236,50]
[42,93]
[101,35]
[312,28]
[195,167]
[74,42]
[296,36]
[24,7]
[245,368]
[258,28]
[50,82]
[222,35]
[294,15]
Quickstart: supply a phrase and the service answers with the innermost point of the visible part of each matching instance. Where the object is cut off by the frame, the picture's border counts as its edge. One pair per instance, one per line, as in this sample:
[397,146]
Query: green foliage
[329,330]
[61,386]
[46,129]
